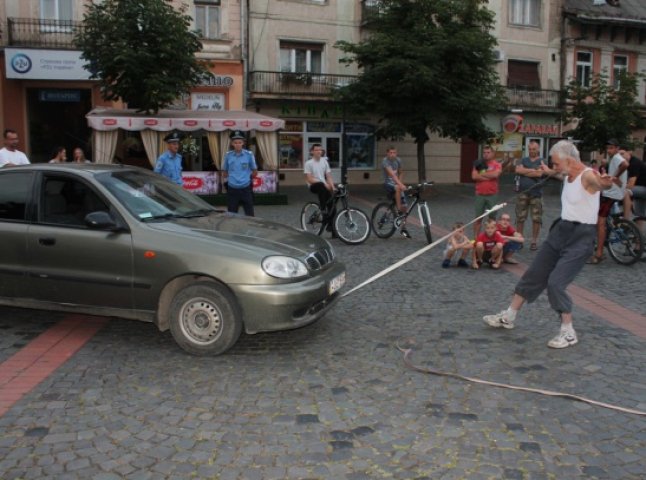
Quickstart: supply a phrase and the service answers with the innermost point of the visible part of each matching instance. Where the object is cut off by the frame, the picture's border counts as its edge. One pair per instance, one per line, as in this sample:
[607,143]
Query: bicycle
[623,240]
[641,225]
[385,218]
[350,224]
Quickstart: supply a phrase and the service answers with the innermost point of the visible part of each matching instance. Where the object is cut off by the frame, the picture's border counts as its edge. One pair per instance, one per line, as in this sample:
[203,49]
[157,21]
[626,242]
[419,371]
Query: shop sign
[45,64]
[211,80]
[516,124]
[311,111]
[207,101]
[59,95]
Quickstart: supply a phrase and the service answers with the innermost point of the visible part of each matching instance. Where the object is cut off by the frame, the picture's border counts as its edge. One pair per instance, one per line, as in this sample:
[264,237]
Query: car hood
[240,230]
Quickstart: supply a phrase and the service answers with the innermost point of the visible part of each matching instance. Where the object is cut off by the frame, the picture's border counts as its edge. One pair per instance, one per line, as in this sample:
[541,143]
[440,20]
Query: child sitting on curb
[513,239]
[488,246]
[457,241]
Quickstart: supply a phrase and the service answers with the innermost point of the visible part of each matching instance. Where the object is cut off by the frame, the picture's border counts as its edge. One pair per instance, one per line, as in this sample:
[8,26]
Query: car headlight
[284,267]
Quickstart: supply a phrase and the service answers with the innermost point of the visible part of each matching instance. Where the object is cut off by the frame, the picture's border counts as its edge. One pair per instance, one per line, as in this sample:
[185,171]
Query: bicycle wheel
[625,242]
[641,225]
[352,226]
[383,219]
[426,223]
[312,218]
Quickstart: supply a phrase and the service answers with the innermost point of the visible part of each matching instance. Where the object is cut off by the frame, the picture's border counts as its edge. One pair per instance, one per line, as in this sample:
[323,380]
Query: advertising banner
[208,183]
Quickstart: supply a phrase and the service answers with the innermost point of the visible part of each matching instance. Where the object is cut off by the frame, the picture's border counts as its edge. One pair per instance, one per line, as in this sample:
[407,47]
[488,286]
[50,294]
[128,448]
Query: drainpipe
[244,48]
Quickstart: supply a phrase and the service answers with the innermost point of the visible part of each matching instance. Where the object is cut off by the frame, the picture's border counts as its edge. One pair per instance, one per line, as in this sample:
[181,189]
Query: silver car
[122,241]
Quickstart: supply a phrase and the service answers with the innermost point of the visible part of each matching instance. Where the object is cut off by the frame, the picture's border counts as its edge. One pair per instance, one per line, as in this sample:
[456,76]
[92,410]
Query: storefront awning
[102,119]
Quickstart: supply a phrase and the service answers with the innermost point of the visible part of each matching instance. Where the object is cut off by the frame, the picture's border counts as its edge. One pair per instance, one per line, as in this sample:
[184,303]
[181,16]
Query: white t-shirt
[317,169]
[615,192]
[16,157]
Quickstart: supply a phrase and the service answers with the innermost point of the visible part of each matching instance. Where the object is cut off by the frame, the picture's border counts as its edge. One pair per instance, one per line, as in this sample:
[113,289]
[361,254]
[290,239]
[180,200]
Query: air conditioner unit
[498,55]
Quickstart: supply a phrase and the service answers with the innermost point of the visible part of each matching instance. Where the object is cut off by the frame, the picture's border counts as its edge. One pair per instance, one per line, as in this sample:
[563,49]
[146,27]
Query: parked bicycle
[385,218]
[350,224]
[641,225]
[623,240]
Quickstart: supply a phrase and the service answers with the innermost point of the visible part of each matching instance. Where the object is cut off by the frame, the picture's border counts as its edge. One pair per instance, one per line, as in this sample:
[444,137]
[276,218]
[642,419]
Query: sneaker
[563,340]
[446,263]
[404,233]
[462,263]
[498,320]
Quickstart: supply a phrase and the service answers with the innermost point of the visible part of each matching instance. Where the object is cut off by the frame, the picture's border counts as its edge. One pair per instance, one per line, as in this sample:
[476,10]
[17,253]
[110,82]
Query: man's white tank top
[577,204]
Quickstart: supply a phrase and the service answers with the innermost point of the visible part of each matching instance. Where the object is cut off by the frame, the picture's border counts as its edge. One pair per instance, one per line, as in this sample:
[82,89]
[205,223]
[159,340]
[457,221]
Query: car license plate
[336,283]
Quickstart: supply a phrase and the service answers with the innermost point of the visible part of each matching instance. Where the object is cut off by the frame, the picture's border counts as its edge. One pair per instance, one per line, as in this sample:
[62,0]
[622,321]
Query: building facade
[46,91]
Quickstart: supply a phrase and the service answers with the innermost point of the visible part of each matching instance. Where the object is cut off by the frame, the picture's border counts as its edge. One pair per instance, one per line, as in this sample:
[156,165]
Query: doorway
[56,117]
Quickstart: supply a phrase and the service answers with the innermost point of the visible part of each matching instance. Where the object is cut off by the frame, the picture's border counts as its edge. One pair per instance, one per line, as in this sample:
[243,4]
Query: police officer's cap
[613,142]
[172,137]
[236,134]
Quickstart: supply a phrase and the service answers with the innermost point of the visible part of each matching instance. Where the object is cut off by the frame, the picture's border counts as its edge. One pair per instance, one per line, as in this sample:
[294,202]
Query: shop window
[525,12]
[523,75]
[207,18]
[360,140]
[301,57]
[290,144]
[583,68]
[619,68]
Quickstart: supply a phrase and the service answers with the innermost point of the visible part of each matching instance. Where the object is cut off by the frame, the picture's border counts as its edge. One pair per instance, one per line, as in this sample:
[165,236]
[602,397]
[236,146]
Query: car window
[148,196]
[67,201]
[15,191]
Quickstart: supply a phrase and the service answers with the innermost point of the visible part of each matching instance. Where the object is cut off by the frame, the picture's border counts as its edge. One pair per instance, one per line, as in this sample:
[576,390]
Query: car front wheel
[205,319]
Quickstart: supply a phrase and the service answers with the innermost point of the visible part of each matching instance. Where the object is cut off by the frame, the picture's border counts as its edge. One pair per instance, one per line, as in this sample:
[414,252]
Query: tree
[142,51]
[603,111]
[427,66]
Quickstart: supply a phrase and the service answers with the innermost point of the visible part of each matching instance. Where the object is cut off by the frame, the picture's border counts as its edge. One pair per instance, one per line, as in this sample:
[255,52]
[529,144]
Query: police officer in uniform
[169,163]
[238,169]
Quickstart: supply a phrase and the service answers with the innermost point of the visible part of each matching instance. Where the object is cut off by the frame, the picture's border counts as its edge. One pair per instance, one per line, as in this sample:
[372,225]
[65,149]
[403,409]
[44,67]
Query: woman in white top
[59,155]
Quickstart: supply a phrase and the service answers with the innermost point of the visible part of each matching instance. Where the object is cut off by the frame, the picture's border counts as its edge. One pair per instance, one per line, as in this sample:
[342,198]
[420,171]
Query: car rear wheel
[205,319]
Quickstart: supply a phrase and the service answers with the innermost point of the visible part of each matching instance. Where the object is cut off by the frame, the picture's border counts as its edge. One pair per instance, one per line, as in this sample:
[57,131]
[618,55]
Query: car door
[15,199]
[70,262]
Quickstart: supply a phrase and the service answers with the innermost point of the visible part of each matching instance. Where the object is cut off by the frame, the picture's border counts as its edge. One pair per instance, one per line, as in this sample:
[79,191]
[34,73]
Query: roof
[105,119]
[626,12]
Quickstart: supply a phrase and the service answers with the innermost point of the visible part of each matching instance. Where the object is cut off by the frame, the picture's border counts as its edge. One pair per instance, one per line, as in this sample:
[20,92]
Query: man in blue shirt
[238,169]
[169,163]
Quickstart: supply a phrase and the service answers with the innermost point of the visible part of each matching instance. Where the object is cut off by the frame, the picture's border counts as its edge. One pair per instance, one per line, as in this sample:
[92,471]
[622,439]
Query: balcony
[42,33]
[533,100]
[264,84]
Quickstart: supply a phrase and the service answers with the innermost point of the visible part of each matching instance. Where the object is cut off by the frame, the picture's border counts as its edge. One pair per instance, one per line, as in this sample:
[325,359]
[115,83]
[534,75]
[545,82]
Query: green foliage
[603,111]
[427,65]
[142,51]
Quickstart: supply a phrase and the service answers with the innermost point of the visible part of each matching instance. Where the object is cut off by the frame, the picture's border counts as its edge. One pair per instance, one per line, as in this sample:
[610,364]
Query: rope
[409,363]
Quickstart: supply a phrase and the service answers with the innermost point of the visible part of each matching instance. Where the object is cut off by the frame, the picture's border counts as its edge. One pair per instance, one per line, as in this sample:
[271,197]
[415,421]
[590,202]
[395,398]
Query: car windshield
[150,197]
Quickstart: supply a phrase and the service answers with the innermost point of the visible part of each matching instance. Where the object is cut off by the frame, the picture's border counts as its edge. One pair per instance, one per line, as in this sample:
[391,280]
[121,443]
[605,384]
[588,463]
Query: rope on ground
[409,363]
[417,253]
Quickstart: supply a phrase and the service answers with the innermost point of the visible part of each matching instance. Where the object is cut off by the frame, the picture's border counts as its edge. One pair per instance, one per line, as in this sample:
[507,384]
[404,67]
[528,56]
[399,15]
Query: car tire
[205,319]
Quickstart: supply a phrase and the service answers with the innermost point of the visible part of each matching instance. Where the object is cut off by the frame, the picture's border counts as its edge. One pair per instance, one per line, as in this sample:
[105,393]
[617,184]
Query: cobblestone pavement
[333,400]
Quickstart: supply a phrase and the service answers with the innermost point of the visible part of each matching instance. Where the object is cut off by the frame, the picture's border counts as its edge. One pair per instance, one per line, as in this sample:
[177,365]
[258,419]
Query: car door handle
[48,242]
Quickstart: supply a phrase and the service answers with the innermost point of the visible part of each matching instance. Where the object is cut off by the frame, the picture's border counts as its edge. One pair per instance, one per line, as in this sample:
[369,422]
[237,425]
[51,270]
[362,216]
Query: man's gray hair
[564,149]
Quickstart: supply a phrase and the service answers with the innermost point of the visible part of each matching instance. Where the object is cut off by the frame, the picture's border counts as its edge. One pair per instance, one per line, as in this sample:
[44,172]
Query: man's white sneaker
[499,320]
[563,340]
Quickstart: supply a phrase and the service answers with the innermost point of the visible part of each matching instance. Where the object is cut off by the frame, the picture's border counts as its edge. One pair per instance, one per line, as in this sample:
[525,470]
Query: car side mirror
[101,221]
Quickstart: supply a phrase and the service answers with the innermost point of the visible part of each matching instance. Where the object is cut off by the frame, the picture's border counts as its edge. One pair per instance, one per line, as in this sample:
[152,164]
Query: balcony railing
[533,99]
[294,83]
[42,33]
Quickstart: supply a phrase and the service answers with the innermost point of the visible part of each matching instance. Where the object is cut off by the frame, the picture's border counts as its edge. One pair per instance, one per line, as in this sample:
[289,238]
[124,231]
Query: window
[207,18]
[300,57]
[525,12]
[56,9]
[619,67]
[66,201]
[583,68]
[523,75]
[15,191]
